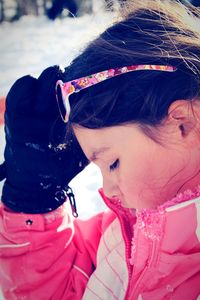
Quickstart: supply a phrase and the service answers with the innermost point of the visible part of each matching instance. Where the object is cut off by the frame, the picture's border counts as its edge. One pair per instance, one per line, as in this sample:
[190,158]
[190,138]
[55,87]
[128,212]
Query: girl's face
[135,169]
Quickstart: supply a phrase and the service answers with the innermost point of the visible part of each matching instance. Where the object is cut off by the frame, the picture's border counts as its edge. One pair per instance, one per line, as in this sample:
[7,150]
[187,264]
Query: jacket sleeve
[47,256]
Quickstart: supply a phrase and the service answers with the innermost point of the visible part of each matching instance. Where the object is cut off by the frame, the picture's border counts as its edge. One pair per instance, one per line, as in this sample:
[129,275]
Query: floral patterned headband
[65,89]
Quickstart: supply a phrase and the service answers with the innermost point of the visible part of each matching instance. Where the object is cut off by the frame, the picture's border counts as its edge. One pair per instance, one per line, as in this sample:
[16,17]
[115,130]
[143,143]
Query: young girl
[132,100]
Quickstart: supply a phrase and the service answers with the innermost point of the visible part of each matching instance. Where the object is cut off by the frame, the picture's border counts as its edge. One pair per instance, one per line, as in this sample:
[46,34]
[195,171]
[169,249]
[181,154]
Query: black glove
[37,171]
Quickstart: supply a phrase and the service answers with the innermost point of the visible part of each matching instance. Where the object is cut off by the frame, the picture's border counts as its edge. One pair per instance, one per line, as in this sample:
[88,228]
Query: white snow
[32,44]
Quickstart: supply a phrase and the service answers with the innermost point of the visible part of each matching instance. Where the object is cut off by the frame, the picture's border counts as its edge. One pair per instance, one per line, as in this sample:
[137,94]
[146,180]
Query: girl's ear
[185,116]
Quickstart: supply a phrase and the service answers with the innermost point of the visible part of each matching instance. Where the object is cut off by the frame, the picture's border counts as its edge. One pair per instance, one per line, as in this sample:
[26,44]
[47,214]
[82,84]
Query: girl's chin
[138,206]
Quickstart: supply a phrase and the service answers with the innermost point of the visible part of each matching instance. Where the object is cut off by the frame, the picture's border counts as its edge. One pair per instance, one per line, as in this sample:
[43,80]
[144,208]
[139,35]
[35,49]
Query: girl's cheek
[133,186]
[126,183]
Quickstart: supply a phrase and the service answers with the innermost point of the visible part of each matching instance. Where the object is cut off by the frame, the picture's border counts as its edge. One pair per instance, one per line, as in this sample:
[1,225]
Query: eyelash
[115,165]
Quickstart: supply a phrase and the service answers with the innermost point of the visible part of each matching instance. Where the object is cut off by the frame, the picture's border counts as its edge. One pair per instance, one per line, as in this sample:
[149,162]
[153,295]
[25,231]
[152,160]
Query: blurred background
[13,10]
[37,33]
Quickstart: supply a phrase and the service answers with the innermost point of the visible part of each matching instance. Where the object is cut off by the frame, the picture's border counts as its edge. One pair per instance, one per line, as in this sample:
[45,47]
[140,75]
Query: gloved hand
[37,172]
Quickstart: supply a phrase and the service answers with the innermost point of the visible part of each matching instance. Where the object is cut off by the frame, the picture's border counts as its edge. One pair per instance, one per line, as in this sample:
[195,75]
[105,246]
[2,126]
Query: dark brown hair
[147,32]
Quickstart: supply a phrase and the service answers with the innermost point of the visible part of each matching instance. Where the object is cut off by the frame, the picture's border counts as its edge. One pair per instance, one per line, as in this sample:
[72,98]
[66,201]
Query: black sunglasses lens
[61,105]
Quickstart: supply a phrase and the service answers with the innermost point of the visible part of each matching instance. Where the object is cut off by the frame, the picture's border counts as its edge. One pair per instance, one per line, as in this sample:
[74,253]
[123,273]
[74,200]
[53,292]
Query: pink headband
[65,89]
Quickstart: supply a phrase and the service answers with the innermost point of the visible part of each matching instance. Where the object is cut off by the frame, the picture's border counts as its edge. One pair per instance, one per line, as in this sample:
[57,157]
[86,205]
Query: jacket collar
[176,223]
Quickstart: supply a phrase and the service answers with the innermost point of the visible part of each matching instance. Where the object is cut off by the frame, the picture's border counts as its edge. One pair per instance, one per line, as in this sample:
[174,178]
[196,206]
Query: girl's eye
[115,165]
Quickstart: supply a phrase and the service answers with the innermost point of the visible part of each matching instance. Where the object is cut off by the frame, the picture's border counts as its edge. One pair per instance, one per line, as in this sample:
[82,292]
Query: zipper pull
[72,201]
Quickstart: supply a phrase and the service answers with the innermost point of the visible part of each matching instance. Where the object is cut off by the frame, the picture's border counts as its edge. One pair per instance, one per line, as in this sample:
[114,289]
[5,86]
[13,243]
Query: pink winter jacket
[118,254]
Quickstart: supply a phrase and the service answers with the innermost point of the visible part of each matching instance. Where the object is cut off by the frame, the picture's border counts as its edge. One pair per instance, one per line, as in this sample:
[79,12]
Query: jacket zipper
[127,253]
[152,260]
[127,234]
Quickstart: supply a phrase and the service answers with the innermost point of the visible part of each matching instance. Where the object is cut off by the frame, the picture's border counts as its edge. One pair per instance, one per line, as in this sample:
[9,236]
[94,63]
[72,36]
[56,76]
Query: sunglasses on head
[65,89]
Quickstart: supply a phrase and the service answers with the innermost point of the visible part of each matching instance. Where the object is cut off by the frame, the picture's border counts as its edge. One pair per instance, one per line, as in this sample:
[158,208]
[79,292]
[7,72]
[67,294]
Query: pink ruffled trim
[150,221]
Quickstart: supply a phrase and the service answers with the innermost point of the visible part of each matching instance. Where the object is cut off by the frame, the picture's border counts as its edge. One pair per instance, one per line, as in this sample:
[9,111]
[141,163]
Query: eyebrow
[95,153]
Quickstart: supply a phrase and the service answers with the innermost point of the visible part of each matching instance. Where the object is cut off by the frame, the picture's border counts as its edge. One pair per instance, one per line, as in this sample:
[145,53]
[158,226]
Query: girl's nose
[110,187]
